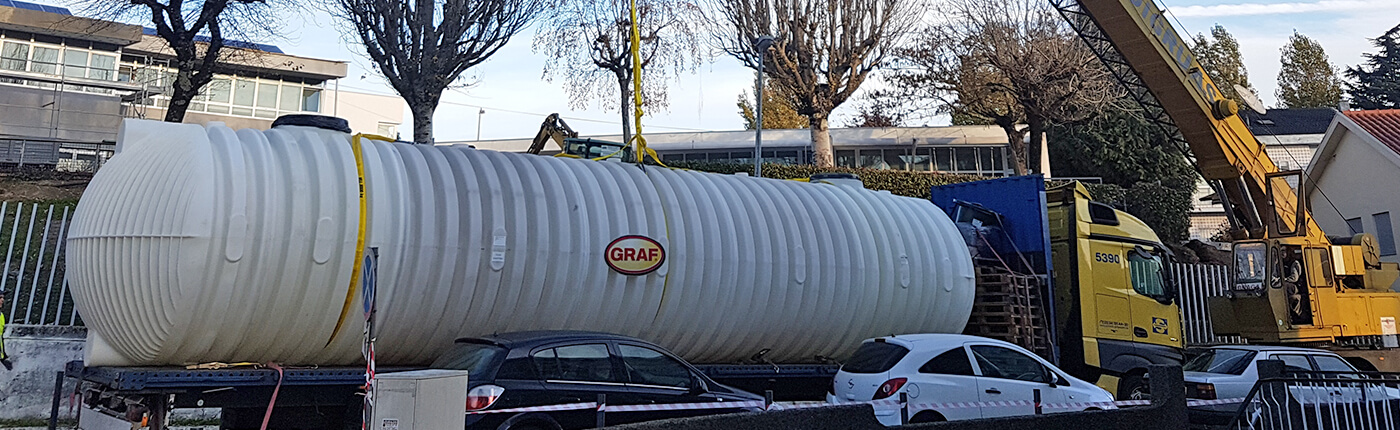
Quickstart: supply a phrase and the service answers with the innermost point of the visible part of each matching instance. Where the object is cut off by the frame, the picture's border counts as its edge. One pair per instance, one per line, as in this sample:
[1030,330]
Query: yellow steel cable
[355,148]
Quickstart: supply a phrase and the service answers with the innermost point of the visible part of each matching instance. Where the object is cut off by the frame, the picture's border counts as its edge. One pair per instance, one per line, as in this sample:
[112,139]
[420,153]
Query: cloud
[1247,9]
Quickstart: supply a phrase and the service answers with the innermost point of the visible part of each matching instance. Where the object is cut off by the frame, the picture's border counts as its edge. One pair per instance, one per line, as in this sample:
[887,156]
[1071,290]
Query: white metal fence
[1322,401]
[1197,282]
[32,240]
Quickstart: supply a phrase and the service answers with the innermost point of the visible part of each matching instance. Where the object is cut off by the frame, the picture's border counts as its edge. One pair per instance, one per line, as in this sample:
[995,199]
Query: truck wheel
[1133,387]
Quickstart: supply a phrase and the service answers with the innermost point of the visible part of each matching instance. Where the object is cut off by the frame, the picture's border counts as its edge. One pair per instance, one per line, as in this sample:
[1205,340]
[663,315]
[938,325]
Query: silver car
[1229,372]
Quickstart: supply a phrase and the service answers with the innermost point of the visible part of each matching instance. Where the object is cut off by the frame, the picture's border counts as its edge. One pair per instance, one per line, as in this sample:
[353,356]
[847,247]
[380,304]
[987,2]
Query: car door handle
[1139,332]
[993,391]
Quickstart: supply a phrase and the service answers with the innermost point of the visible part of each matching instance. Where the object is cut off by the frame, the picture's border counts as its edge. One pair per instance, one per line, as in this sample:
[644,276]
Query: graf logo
[634,255]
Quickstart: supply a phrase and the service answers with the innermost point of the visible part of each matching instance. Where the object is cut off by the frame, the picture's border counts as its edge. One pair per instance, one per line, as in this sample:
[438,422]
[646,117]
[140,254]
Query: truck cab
[1114,297]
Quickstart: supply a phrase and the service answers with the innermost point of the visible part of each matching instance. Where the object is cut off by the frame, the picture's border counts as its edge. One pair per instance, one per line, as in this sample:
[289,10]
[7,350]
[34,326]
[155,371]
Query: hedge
[899,182]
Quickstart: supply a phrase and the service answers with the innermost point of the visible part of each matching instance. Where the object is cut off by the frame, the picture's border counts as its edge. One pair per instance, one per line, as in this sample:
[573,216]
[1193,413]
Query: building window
[1355,226]
[388,129]
[45,60]
[14,56]
[1384,234]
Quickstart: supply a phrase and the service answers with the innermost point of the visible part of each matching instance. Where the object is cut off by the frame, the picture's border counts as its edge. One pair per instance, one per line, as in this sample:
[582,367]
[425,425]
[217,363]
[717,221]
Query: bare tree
[422,46]
[1012,63]
[822,49]
[590,43]
[198,31]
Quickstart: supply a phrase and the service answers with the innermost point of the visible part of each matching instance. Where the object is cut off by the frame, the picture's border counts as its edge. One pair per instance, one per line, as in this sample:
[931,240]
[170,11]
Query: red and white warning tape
[802,405]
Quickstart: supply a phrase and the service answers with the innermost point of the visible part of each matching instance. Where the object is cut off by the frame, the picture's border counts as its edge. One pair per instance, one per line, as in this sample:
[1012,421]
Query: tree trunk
[422,122]
[1016,146]
[822,155]
[624,107]
[181,92]
[1037,127]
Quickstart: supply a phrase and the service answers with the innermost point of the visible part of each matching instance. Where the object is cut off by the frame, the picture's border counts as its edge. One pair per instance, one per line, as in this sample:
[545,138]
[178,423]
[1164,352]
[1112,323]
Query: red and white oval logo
[634,255]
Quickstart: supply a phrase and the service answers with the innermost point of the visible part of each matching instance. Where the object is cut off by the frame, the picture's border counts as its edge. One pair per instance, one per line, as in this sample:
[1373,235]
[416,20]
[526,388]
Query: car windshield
[874,357]
[1226,361]
[475,358]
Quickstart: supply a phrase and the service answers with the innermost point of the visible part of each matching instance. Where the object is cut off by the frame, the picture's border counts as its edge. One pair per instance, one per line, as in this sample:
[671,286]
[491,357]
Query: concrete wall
[366,111]
[38,353]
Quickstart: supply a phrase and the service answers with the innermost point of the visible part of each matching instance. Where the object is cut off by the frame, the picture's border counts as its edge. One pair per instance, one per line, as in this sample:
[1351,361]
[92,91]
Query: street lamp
[761,44]
[479,113]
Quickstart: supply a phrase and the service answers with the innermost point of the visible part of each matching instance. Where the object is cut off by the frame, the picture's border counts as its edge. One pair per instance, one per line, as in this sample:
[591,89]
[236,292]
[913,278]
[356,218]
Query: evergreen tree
[1307,79]
[1376,85]
[1220,57]
[1126,151]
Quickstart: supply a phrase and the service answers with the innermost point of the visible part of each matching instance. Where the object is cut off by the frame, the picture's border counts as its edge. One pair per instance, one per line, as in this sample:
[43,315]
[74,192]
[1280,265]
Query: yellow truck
[1113,307]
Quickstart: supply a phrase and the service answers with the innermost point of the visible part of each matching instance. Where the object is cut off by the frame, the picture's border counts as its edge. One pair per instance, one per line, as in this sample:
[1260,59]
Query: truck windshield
[475,358]
[1221,360]
[1249,266]
[875,357]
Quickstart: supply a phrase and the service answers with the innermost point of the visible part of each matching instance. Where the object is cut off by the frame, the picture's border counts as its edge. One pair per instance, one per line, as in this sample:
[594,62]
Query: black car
[539,368]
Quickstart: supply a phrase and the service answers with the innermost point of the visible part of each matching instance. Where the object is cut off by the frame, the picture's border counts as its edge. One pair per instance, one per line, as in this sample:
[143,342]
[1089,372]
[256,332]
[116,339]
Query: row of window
[976,160]
[591,363]
[226,95]
[1385,233]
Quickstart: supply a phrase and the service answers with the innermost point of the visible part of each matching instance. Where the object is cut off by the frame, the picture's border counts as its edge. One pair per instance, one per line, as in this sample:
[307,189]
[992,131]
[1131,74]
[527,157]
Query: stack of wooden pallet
[1009,307]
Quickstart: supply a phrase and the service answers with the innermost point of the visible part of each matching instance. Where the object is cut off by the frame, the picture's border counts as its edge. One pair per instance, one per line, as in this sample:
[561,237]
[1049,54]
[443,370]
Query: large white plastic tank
[198,244]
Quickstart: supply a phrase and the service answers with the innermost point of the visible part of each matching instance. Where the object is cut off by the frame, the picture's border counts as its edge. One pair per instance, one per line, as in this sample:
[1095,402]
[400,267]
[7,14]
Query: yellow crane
[1292,283]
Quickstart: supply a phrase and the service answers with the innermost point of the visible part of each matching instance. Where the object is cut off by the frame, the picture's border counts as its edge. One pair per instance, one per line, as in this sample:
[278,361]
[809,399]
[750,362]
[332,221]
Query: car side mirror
[697,385]
[1055,379]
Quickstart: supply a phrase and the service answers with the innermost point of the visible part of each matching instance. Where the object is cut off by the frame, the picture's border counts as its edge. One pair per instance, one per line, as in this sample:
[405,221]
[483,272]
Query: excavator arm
[554,128]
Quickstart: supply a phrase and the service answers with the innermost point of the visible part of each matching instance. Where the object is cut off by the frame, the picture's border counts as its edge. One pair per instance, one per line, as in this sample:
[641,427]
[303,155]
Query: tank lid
[318,121]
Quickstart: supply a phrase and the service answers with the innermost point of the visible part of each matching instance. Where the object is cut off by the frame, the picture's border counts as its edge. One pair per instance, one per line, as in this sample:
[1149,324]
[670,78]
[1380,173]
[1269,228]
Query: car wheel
[927,417]
[1134,387]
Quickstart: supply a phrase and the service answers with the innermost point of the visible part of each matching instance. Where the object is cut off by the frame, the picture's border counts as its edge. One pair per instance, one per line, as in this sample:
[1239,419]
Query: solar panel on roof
[35,7]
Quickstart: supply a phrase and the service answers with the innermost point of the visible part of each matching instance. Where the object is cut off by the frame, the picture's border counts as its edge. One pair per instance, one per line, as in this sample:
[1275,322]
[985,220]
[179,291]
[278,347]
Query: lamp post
[761,43]
[479,113]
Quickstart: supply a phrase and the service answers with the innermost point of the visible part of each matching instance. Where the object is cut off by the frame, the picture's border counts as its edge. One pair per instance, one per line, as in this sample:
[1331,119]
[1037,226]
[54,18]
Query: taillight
[483,397]
[1205,391]
[889,388]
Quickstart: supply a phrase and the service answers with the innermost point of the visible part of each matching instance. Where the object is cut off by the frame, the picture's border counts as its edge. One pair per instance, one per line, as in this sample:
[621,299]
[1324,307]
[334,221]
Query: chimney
[1344,106]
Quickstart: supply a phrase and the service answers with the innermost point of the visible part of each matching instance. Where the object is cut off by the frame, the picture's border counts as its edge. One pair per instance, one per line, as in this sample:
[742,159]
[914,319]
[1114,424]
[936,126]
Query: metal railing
[1196,283]
[1322,401]
[32,238]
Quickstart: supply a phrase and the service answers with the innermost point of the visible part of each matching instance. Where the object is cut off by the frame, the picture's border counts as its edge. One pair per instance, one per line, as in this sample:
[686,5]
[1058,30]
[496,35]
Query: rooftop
[1383,124]
[230,43]
[1288,121]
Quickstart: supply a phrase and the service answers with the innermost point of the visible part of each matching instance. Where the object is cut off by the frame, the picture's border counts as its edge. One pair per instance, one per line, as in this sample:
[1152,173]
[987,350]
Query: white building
[978,150]
[1355,177]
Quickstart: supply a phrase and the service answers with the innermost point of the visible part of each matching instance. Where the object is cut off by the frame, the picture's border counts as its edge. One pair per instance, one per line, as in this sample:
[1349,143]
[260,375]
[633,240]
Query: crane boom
[1225,151]
[1292,282]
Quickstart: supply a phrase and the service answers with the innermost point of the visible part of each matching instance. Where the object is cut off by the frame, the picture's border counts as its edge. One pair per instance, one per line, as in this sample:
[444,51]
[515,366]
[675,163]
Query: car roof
[929,338]
[1271,348]
[527,339]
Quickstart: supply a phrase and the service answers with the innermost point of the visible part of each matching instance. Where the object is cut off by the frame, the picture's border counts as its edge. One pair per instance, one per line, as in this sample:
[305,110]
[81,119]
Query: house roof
[1383,124]
[227,42]
[1288,121]
[36,6]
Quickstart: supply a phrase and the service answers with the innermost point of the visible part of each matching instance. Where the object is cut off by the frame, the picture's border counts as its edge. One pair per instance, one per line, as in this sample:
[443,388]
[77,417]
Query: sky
[511,89]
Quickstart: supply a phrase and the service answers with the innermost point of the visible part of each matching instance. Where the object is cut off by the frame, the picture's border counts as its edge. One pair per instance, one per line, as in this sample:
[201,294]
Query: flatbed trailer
[325,397]
[331,397]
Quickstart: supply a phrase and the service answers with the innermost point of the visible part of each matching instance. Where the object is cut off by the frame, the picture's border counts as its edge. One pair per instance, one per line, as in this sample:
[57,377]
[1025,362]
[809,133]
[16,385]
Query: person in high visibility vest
[4,358]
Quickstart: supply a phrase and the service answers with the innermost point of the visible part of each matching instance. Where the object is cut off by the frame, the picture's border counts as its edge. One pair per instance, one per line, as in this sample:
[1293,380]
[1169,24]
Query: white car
[945,369]
[1230,372]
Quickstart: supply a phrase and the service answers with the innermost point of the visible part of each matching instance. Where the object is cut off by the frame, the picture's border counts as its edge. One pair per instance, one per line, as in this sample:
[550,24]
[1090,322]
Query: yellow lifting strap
[356,148]
[642,150]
